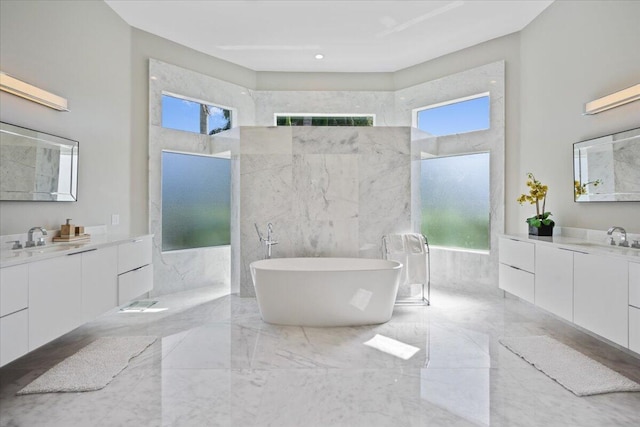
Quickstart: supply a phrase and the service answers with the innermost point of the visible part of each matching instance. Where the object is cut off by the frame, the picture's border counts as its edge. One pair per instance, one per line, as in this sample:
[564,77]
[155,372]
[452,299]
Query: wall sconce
[32,93]
[616,99]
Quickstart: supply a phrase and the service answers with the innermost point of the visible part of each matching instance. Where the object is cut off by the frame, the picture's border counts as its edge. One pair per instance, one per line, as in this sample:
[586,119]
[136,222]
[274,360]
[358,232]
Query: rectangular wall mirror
[36,166]
[607,169]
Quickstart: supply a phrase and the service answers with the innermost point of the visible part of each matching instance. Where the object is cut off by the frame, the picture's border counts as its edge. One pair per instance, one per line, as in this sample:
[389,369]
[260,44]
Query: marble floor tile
[216,363]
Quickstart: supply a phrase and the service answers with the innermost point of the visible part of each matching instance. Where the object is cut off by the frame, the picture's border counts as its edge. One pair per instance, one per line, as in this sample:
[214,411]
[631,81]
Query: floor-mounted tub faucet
[268,242]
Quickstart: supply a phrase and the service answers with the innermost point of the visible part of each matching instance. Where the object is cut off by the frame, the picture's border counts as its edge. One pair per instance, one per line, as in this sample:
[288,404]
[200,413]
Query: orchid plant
[537,196]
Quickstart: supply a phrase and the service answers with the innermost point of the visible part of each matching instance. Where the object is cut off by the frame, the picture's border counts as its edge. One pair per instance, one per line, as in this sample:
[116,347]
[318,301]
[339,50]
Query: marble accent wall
[327,191]
[447,265]
[288,176]
[177,271]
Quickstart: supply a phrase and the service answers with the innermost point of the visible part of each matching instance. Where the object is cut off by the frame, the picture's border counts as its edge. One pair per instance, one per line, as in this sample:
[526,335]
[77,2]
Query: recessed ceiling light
[319,56]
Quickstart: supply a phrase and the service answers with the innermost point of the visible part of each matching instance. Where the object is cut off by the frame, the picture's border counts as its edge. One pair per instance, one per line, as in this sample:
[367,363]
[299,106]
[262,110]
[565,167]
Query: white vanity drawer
[634,329]
[14,336]
[134,283]
[517,254]
[14,289]
[517,282]
[134,254]
[634,284]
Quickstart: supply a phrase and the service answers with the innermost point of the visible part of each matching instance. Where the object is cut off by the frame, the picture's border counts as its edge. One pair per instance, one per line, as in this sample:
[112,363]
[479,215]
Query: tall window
[455,201]
[193,116]
[196,202]
[324,120]
[456,116]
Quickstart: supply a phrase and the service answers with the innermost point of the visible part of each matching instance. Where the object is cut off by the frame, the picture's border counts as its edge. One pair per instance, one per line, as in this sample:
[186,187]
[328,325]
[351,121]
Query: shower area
[327,191]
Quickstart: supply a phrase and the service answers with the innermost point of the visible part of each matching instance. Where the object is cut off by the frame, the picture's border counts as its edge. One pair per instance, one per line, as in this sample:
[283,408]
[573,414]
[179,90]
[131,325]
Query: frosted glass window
[196,202]
[323,120]
[191,116]
[457,116]
[455,201]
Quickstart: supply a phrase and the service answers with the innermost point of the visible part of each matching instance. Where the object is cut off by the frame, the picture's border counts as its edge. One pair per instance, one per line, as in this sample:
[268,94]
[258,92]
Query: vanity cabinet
[55,298]
[634,306]
[554,280]
[135,272]
[45,298]
[516,268]
[601,296]
[14,313]
[99,282]
[592,289]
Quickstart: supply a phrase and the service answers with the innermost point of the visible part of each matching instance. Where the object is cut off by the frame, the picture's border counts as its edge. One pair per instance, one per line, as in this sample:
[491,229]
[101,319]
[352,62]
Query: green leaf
[535,222]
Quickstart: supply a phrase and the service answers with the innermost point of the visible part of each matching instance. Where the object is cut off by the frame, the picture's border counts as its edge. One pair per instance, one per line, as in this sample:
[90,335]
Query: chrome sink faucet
[268,242]
[623,236]
[41,242]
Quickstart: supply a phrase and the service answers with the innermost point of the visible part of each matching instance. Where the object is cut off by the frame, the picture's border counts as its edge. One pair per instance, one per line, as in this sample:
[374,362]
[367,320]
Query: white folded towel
[409,249]
[414,243]
[395,244]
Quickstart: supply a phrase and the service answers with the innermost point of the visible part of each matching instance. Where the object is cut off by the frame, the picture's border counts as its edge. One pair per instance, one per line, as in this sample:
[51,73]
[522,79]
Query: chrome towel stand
[422,300]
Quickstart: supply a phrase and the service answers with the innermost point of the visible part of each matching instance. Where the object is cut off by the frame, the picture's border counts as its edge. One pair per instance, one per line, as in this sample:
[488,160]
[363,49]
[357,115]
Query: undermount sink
[50,248]
[607,246]
[596,244]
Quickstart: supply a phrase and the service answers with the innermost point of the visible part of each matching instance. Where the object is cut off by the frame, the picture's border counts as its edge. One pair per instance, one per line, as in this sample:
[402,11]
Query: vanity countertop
[10,257]
[580,245]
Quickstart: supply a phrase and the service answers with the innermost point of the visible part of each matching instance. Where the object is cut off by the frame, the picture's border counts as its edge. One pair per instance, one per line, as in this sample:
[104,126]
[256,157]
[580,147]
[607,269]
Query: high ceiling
[353,36]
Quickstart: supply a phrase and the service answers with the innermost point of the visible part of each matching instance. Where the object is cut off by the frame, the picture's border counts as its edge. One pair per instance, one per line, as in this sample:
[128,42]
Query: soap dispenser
[68,229]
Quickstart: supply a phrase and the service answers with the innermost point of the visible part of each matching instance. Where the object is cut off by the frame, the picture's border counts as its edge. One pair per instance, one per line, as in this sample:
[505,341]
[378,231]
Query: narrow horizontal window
[324,120]
[457,116]
[193,116]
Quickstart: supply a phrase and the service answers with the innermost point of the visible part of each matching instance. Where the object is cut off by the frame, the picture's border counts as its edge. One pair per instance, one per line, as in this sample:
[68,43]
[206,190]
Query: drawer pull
[573,250]
[83,252]
[137,240]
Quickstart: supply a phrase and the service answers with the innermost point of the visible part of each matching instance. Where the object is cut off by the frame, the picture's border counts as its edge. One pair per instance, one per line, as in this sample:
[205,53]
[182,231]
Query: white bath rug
[92,367]
[392,347]
[573,370]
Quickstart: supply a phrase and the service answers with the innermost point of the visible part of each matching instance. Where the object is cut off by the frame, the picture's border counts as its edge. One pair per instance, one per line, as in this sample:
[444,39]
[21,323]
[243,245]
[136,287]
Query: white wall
[573,53]
[328,191]
[85,60]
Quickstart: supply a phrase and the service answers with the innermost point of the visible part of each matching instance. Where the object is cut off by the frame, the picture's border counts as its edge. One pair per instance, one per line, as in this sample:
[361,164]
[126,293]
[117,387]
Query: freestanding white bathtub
[325,291]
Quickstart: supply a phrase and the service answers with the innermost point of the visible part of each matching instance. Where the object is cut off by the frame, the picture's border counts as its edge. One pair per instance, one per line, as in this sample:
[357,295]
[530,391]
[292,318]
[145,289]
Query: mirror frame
[588,192]
[42,139]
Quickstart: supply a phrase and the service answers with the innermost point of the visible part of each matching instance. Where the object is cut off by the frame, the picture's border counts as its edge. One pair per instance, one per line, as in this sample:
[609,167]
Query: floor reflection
[218,364]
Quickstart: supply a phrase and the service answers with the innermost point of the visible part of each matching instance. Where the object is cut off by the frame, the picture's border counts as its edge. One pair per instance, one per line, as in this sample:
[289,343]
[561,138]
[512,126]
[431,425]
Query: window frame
[489,195]
[223,156]
[233,110]
[363,115]
[416,111]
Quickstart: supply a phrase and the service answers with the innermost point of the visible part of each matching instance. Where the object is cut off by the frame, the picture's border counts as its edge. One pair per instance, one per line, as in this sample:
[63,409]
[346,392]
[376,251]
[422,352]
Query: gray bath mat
[92,367]
[573,370]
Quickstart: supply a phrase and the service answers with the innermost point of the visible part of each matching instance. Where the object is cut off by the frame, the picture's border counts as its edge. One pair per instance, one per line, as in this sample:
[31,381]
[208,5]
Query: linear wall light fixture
[616,99]
[32,93]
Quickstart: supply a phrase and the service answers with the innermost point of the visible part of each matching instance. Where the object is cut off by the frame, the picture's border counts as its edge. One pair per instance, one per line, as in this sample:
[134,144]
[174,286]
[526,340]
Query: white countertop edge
[12,257]
[578,245]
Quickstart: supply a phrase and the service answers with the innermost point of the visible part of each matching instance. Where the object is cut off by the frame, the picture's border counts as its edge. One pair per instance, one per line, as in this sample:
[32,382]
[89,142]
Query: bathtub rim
[385,265]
